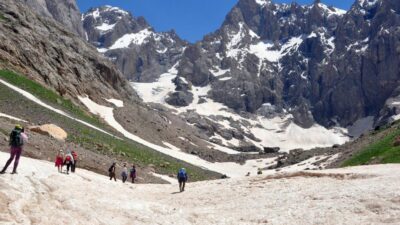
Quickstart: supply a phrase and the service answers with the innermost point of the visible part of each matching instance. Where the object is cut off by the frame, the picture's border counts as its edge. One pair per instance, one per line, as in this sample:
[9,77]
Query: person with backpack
[68,160]
[124,173]
[75,157]
[59,160]
[16,144]
[133,173]
[182,179]
[111,171]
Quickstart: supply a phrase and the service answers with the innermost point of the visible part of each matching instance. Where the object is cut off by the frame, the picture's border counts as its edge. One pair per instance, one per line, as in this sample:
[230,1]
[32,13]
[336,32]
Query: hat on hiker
[19,127]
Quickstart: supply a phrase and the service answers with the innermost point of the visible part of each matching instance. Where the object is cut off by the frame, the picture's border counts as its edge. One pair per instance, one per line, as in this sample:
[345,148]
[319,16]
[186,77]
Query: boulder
[50,130]
[396,141]
[179,98]
[271,150]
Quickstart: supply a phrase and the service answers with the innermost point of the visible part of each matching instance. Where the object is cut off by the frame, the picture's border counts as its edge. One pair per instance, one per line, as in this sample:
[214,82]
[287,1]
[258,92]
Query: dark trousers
[182,185]
[15,153]
[124,178]
[112,175]
[69,165]
[73,166]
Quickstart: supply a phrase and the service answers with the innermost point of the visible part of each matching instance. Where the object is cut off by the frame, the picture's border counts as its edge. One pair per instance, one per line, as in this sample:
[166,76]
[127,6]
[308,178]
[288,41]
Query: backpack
[182,174]
[16,139]
[111,169]
[68,158]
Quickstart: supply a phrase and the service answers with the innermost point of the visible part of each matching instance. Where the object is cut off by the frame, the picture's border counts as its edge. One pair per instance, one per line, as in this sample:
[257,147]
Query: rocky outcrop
[65,12]
[50,130]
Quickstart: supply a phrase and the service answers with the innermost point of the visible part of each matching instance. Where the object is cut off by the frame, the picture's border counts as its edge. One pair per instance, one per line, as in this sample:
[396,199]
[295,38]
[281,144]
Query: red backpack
[68,158]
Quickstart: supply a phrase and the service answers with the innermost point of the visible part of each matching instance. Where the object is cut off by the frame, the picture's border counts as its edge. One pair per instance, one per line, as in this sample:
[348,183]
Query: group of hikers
[124,173]
[18,138]
[182,175]
[69,160]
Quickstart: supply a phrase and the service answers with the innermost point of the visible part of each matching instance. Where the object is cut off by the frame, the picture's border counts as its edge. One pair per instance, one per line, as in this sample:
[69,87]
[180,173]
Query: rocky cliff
[65,12]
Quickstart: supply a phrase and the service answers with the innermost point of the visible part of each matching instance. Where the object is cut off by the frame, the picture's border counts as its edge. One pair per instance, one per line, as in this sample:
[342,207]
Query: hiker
[75,157]
[16,143]
[133,173]
[124,173]
[111,171]
[68,160]
[59,160]
[182,179]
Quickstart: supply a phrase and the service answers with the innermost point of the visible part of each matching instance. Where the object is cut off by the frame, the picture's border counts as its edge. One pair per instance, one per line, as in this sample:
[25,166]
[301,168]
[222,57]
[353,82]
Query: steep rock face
[267,51]
[50,54]
[140,53]
[316,62]
[65,12]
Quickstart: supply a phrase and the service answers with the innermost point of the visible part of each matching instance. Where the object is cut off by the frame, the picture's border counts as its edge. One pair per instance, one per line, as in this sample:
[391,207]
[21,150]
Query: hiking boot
[14,172]
[2,172]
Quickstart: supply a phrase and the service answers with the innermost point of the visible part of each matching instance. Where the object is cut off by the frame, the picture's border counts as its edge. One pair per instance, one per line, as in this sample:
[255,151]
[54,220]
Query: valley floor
[359,195]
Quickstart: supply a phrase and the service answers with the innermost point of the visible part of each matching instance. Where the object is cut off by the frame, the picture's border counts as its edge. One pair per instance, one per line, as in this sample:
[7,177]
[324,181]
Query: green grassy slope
[15,104]
[381,151]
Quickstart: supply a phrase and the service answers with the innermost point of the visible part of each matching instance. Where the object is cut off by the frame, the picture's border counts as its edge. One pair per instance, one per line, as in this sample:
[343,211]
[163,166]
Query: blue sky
[191,19]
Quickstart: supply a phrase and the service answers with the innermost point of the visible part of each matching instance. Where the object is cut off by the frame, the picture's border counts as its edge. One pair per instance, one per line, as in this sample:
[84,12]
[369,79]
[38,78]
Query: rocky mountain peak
[139,51]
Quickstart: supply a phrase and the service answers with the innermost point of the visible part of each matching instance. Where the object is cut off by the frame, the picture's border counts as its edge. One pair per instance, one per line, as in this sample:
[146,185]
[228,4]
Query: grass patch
[2,18]
[381,151]
[47,95]
[16,105]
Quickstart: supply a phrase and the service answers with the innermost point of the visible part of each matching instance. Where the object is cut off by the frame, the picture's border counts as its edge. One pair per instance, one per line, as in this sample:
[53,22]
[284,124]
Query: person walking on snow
[124,173]
[182,179]
[111,171]
[133,173]
[17,138]
[69,160]
[75,157]
[59,160]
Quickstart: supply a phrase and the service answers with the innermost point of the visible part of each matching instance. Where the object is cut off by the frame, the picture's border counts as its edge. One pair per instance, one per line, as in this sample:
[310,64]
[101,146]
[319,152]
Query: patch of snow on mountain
[263,51]
[284,133]
[225,78]
[332,10]
[157,91]
[262,3]
[115,9]
[105,27]
[219,72]
[266,50]
[102,50]
[134,38]
[12,118]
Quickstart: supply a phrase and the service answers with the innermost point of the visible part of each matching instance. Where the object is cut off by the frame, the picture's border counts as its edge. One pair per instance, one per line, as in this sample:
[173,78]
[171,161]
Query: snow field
[359,195]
